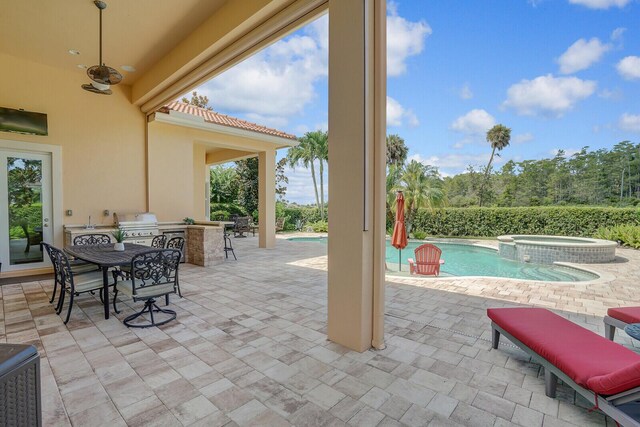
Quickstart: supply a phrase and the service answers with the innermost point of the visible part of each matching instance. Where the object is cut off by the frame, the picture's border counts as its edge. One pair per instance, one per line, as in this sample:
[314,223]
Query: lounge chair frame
[610,405]
[610,325]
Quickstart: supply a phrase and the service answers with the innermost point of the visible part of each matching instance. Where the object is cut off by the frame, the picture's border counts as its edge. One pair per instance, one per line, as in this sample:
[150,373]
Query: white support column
[357,130]
[267,199]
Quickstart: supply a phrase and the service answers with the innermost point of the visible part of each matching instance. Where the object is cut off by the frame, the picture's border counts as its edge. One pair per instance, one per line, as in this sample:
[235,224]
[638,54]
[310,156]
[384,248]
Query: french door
[25,209]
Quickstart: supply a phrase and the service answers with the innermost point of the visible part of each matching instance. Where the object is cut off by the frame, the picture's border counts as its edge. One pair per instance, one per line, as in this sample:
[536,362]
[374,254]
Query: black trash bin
[20,403]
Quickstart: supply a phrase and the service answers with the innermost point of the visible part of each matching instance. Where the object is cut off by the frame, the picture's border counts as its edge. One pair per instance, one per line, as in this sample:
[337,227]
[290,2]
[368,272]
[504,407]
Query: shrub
[220,215]
[491,222]
[320,226]
[29,216]
[299,215]
[227,209]
[628,235]
[420,235]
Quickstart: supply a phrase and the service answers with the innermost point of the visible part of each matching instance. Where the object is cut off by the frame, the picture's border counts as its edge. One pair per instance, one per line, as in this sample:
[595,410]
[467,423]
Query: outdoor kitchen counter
[205,244]
[71,231]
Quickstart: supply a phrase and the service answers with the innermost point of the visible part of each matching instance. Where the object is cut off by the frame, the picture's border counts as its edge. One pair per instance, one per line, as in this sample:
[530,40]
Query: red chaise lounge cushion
[590,360]
[625,314]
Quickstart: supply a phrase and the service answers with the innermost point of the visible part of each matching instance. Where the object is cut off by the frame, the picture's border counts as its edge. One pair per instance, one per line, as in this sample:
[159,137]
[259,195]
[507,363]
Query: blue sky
[560,73]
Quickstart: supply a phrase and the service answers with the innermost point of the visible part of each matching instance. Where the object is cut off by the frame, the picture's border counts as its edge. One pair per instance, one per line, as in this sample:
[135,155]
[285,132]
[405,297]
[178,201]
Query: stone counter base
[205,245]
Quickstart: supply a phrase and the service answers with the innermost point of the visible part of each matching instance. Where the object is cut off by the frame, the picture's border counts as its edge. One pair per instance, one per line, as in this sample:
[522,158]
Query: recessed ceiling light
[84,67]
[74,52]
[128,68]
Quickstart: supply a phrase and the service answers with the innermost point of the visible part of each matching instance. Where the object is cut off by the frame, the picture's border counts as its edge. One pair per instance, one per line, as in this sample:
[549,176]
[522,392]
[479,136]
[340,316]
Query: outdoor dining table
[106,257]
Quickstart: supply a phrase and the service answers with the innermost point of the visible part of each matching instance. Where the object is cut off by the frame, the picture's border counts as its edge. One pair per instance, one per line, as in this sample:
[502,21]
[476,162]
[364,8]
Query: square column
[357,169]
[267,199]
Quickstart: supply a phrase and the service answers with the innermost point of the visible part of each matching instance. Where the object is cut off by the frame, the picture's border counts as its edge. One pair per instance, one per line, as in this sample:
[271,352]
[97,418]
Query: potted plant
[119,235]
[188,221]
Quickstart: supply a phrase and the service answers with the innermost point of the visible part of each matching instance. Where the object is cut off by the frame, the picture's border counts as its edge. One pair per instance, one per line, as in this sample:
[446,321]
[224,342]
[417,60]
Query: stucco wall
[102,137]
[176,173]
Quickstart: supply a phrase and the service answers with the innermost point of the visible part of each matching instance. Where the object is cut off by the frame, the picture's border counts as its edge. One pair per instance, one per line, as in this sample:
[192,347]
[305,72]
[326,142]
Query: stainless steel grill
[138,228]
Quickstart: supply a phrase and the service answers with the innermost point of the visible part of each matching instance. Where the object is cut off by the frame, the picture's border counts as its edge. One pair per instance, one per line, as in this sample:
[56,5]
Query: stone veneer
[205,245]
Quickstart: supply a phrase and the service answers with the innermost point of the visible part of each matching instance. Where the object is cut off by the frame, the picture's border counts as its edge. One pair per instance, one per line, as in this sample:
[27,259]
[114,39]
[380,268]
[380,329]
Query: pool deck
[249,348]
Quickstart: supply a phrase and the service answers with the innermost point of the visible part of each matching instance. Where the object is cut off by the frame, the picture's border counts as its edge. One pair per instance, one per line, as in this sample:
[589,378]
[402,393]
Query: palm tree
[320,143]
[394,176]
[313,146]
[499,137]
[396,150]
[422,189]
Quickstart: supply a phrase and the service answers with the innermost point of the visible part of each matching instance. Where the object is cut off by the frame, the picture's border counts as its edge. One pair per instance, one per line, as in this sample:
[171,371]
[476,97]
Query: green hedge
[491,222]
[293,214]
[30,215]
[222,211]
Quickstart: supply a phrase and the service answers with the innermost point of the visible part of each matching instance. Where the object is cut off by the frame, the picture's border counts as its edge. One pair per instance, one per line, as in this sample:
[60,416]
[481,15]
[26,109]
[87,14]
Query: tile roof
[221,119]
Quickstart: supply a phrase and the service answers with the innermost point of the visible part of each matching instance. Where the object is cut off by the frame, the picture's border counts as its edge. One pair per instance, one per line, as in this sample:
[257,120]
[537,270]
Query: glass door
[25,209]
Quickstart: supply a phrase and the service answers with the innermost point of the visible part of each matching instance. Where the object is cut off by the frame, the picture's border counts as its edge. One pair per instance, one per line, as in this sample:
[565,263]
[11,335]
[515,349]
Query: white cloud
[300,186]
[616,35]
[522,138]
[475,122]
[397,115]
[629,122]
[465,92]
[629,67]
[548,95]
[601,4]
[453,163]
[581,55]
[613,94]
[275,83]
[404,39]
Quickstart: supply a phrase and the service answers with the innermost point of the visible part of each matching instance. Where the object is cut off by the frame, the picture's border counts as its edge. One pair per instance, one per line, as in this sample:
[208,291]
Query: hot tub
[551,249]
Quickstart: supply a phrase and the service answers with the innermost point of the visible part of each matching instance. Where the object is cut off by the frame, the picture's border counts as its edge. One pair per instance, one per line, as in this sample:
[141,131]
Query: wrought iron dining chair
[176,243]
[91,239]
[72,283]
[159,241]
[154,274]
[77,267]
[241,226]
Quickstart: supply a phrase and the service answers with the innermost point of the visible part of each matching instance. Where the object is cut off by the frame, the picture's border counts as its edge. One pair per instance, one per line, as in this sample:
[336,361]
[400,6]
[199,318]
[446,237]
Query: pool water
[468,260]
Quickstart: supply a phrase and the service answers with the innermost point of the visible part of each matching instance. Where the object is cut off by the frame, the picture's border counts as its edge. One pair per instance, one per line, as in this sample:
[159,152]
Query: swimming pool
[469,260]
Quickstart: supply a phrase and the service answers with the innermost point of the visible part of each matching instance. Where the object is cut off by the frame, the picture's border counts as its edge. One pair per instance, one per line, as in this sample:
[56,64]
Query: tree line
[603,177]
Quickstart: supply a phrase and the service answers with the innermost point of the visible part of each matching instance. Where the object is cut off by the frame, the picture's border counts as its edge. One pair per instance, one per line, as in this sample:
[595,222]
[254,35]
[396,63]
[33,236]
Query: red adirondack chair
[427,261]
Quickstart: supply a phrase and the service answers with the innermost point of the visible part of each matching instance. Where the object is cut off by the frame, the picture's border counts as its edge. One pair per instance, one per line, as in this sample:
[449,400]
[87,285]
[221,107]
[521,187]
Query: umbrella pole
[399,259]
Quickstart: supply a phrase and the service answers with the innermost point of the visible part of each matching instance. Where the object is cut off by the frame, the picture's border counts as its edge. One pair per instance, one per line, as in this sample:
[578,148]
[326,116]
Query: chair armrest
[441,261]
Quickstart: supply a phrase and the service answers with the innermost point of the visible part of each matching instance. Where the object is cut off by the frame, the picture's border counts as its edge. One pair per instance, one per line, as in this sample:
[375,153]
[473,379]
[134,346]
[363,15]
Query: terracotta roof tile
[221,119]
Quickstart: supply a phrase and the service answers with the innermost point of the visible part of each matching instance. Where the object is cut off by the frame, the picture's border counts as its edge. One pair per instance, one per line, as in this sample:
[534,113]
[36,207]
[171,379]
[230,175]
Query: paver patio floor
[249,348]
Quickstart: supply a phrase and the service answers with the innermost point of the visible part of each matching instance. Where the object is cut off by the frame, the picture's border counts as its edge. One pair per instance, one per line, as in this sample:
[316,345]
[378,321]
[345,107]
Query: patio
[249,348]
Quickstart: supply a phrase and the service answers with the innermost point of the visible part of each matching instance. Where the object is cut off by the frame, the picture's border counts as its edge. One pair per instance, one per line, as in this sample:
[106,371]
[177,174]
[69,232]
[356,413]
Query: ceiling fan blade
[104,74]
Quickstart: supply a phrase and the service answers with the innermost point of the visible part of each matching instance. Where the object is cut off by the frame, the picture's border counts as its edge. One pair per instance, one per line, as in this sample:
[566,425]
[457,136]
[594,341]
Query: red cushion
[625,314]
[616,382]
[578,352]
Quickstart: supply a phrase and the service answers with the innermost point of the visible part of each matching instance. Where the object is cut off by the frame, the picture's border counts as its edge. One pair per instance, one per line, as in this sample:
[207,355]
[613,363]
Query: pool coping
[530,239]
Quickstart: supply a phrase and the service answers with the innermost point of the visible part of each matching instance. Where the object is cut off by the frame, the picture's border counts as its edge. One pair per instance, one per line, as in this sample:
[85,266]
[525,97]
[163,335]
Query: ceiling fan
[102,76]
